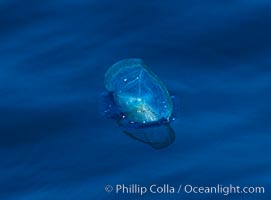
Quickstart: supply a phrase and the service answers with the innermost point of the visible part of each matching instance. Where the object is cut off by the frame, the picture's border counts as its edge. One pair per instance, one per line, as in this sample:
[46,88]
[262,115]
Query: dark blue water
[214,55]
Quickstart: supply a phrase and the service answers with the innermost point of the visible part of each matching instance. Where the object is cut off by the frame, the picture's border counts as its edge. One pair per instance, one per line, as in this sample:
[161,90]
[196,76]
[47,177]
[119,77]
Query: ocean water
[214,55]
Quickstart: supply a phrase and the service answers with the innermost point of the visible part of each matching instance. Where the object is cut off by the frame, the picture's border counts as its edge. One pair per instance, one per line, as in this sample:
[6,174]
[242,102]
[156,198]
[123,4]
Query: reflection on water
[158,137]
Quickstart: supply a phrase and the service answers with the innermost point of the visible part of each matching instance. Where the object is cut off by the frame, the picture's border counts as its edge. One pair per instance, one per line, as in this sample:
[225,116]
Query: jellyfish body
[137,92]
[140,103]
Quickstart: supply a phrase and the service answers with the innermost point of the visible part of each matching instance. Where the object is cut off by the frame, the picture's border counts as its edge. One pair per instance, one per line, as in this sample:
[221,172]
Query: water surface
[214,55]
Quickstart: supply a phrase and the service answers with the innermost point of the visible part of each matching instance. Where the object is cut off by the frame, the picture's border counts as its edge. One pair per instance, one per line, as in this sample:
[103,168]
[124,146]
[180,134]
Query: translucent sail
[138,92]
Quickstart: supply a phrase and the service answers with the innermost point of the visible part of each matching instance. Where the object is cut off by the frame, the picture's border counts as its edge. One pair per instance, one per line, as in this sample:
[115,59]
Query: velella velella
[138,92]
[140,103]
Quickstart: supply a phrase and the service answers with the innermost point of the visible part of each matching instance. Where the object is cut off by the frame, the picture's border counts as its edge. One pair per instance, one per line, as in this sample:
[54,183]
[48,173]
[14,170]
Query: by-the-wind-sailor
[138,99]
